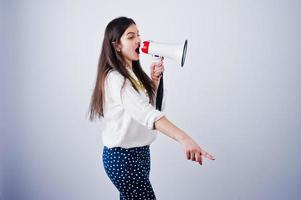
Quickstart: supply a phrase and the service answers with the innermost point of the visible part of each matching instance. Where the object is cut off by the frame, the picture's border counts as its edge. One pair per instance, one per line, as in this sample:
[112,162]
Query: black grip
[159,96]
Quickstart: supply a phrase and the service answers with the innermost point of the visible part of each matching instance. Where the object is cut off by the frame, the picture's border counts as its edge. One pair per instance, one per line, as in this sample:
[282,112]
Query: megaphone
[174,51]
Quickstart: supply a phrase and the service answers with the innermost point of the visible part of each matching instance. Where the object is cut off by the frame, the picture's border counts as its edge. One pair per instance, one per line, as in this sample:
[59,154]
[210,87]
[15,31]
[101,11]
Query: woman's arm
[193,151]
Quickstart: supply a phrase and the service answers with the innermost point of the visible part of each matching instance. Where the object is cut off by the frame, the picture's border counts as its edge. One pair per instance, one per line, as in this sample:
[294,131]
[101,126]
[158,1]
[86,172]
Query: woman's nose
[138,40]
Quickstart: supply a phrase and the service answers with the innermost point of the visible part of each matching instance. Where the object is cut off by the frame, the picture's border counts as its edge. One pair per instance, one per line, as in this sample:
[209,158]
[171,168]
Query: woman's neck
[128,65]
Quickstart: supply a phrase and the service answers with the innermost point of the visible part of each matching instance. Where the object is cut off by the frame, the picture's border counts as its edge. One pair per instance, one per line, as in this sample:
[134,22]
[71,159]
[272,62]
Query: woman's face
[129,44]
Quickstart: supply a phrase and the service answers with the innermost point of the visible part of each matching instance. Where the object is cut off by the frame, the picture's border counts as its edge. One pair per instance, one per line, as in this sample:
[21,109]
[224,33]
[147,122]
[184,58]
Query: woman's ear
[117,47]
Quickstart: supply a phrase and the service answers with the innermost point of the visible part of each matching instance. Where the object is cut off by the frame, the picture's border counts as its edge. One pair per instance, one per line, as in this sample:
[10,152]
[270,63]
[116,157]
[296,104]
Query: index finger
[207,155]
[211,157]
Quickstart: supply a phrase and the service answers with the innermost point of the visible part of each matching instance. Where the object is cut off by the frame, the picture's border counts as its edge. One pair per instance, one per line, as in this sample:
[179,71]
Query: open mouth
[138,50]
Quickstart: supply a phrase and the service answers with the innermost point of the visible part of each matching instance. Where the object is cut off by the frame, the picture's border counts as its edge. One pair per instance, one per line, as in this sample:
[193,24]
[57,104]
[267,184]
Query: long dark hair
[111,59]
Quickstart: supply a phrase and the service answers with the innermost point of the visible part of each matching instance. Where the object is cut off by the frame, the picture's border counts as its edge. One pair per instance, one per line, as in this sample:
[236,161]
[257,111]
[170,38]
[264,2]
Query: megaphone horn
[176,52]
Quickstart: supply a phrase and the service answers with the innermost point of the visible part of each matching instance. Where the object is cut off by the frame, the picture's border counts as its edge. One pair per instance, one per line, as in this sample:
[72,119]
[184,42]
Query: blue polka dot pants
[129,169]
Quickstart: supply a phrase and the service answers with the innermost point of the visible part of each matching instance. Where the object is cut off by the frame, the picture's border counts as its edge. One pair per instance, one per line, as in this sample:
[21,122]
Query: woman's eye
[133,36]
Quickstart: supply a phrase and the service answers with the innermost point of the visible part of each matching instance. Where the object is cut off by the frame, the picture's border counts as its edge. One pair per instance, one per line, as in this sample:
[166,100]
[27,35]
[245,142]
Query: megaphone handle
[159,96]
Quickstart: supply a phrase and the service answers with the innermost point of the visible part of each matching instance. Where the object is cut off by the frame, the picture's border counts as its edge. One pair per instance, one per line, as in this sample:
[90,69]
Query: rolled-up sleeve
[137,106]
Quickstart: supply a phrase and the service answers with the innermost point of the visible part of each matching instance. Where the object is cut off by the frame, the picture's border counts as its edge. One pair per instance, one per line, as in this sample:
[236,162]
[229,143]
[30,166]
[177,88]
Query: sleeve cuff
[154,116]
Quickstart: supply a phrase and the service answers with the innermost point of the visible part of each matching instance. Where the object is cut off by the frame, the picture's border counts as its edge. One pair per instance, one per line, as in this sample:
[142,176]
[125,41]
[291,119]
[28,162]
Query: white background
[238,95]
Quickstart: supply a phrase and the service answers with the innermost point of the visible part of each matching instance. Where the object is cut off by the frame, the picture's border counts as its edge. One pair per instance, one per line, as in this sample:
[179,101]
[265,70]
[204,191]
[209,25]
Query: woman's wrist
[182,137]
[156,83]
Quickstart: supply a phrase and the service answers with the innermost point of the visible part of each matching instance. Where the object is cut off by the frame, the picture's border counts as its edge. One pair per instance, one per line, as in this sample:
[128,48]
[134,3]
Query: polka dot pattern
[129,170]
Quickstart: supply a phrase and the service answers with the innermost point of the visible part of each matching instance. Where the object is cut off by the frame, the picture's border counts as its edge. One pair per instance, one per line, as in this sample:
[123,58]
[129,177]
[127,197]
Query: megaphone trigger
[157,57]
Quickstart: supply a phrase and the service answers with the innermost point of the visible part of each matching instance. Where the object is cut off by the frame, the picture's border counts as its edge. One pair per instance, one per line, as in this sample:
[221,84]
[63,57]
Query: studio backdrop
[238,95]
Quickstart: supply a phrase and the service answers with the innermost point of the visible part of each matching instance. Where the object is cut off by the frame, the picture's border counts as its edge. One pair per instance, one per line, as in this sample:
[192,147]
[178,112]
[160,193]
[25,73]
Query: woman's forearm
[193,151]
[168,128]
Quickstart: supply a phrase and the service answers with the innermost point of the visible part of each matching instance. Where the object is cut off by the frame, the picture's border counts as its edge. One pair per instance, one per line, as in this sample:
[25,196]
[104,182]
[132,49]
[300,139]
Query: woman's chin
[136,58]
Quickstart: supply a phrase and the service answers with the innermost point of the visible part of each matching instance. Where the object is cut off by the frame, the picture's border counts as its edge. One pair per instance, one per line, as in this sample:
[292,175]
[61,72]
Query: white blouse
[128,115]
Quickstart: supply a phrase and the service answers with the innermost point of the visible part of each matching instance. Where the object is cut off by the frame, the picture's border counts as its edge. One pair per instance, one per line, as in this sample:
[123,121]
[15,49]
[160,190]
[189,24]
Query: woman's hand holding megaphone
[157,69]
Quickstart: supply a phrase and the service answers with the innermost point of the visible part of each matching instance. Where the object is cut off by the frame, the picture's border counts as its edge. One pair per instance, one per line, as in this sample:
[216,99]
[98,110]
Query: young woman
[124,96]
